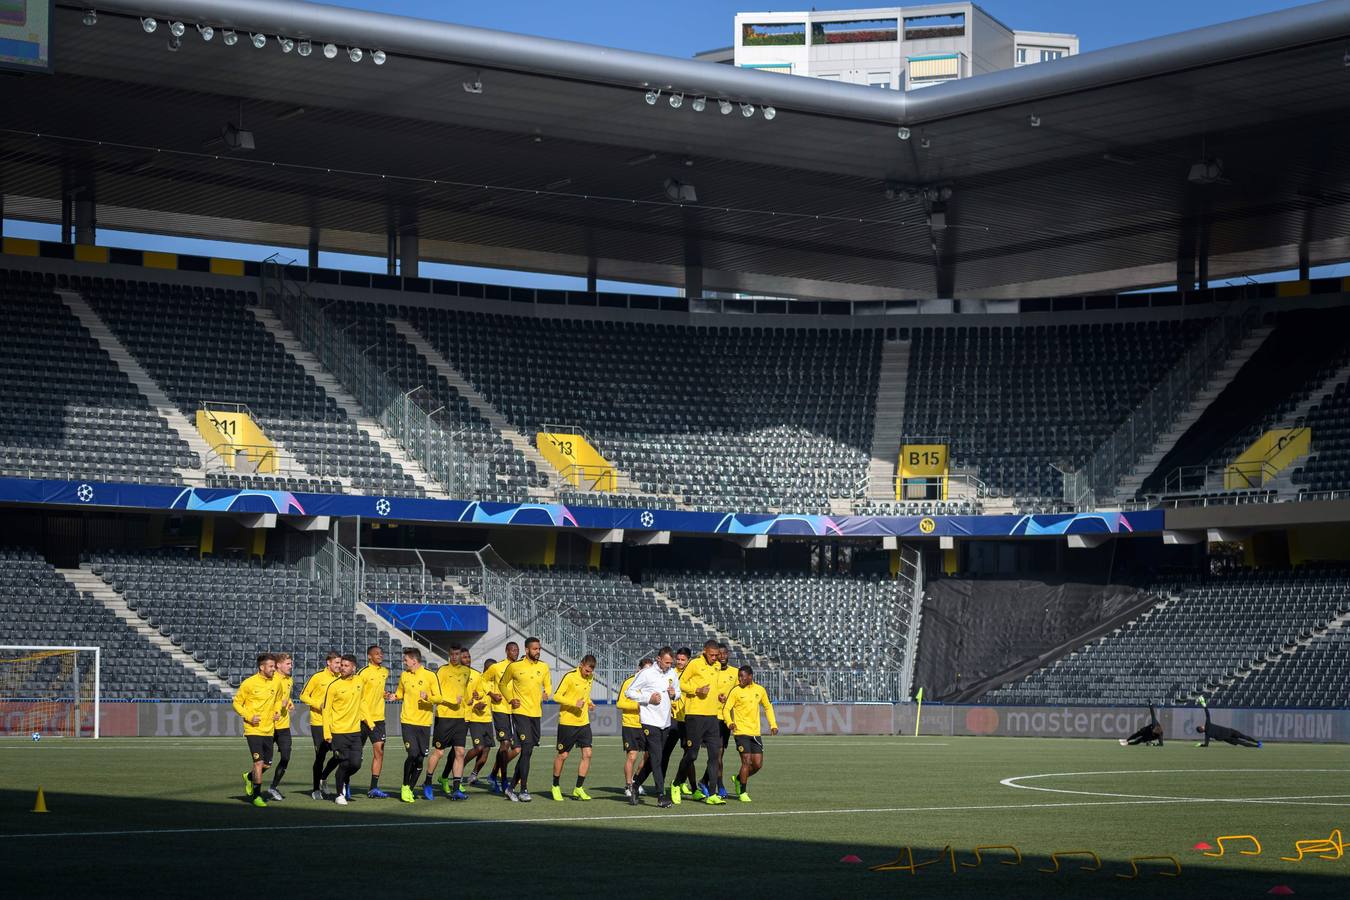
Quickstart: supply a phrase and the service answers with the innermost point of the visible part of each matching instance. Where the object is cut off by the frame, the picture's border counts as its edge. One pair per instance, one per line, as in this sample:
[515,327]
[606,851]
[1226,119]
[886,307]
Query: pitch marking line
[412,823]
[1012,782]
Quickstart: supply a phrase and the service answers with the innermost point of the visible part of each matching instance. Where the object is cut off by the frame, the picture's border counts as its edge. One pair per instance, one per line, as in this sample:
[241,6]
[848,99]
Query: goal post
[49,690]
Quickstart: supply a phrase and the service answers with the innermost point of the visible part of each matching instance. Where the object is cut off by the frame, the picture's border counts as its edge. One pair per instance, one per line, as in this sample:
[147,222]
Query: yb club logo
[927,525]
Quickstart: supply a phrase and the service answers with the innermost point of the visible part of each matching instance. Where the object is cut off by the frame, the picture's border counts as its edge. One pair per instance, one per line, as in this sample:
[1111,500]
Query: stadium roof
[559,165]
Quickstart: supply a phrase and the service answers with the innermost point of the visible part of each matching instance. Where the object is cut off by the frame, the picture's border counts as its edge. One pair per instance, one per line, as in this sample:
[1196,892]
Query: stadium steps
[742,651]
[86,582]
[1131,482]
[333,388]
[888,420]
[431,655]
[149,388]
[1274,659]
[489,412]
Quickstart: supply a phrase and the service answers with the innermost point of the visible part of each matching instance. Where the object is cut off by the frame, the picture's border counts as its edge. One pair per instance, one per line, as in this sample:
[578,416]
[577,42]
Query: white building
[895,48]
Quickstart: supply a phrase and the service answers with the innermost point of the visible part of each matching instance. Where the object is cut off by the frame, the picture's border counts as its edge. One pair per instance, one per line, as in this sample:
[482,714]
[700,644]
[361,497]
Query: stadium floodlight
[680,192]
[676,101]
[236,138]
[229,38]
[206,31]
[903,133]
[148,25]
[259,40]
[174,44]
[699,104]
[177,29]
[724,107]
[378,57]
[747,109]
[329,51]
[925,143]
[1034,120]
[90,17]
[769,113]
[651,96]
[473,87]
[287,44]
[355,54]
[304,48]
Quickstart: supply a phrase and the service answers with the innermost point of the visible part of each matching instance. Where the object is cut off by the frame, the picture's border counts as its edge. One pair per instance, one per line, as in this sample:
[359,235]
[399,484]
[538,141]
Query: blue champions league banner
[434,616]
[163,498]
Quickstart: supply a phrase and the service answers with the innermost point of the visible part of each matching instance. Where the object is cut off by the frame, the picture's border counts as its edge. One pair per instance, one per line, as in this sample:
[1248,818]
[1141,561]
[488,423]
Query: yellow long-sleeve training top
[491,680]
[284,700]
[417,711]
[373,679]
[698,673]
[478,708]
[257,696]
[526,681]
[741,712]
[629,708]
[453,679]
[573,698]
[312,694]
[342,713]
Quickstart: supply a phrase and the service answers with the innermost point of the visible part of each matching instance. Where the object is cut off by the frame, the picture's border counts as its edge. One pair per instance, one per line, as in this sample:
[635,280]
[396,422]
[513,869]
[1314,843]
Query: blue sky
[687,27]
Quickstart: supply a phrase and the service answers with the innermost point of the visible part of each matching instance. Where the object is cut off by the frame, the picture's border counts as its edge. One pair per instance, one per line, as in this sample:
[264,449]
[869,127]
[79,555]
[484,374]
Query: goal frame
[98,675]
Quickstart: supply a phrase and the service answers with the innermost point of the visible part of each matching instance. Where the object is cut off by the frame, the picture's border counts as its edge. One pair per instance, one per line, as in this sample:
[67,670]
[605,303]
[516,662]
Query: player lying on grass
[1223,732]
[1151,733]
[741,714]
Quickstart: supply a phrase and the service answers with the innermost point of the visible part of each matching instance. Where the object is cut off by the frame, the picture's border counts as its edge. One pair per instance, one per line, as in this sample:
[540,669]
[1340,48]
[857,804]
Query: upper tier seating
[203,345]
[225,611]
[1327,467]
[1189,643]
[745,418]
[40,607]
[66,410]
[1011,401]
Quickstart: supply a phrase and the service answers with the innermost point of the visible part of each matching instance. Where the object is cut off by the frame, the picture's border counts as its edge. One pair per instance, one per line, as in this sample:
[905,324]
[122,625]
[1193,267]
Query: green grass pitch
[167,816]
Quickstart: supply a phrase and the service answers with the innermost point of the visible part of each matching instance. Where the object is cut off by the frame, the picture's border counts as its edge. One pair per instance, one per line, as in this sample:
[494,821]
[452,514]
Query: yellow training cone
[40,805]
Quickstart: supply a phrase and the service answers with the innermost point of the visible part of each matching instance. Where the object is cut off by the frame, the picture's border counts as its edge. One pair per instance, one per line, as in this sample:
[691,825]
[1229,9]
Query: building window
[925,70]
[1048,55]
[773,34]
[879,80]
[920,28]
[861,31]
[1021,56]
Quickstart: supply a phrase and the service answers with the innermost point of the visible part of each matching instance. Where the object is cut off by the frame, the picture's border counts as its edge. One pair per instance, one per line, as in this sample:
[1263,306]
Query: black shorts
[416,739]
[260,747]
[282,737]
[526,729]
[749,744]
[373,735]
[480,735]
[347,747]
[449,733]
[702,731]
[724,732]
[570,736]
[633,740]
[506,733]
[321,743]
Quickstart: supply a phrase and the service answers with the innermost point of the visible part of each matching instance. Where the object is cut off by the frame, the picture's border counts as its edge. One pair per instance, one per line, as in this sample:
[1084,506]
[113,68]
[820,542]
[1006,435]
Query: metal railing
[412,418]
[1195,479]
[1138,434]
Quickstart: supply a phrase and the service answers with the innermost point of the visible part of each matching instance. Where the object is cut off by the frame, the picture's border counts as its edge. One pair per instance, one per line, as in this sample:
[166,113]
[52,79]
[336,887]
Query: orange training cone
[40,804]
[1202,846]
[1281,890]
[851,858]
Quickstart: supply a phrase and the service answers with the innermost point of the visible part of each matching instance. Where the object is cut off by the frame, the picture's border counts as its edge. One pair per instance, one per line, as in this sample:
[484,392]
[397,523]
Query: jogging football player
[343,716]
[574,725]
[282,735]
[726,680]
[525,684]
[741,714]
[256,703]
[419,691]
[702,717]
[451,728]
[501,718]
[1223,732]
[374,678]
[674,736]
[631,729]
[312,696]
[655,688]
[1151,733]
[478,716]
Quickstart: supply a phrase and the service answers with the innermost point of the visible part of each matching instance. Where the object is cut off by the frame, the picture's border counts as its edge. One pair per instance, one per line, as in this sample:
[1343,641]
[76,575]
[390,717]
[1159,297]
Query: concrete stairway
[149,388]
[739,651]
[85,581]
[331,386]
[442,367]
[888,420]
[1131,481]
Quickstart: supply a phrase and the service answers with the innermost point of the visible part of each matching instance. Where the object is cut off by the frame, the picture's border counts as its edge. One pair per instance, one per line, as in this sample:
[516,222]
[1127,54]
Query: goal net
[49,691]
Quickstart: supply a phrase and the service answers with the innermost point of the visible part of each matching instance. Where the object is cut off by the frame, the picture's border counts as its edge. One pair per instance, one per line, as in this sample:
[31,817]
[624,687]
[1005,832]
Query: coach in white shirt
[655,689]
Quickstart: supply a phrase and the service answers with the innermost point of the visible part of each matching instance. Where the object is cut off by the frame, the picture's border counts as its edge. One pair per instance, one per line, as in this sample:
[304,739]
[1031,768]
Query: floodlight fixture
[329,51]
[475,86]
[355,54]
[1034,120]
[206,31]
[769,113]
[174,44]
[259,40]
[699,104]
[378,57]
[287,44]
[724,106]
[229,38]
[676,101]
[925,143]
[90,17]
[177,29]
[903,133]
[680,192]
[747,109]
[148,25]
[304,48]
[651,97]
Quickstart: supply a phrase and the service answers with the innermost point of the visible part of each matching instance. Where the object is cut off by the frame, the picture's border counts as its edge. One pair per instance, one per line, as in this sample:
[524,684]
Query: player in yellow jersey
[343,716]
[722,685]
[312,696]
[574,724]
[479,719]
[501,718]
[741,713]
[419,692]
[373,678]
[631,729]
[451,728]
[256,704]
[282,735]
[702,714]
[525,684]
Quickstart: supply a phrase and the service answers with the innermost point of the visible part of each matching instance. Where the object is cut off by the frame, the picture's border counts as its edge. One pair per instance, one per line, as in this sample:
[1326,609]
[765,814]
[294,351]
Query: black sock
[411,766]
[457,782]
[745,785]
[374,782]
[449,765]
[555,780]
[581,779]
